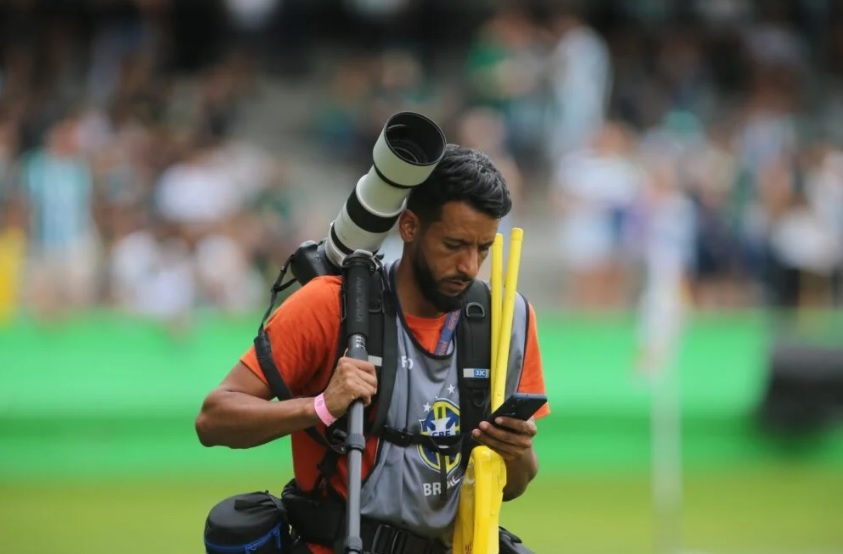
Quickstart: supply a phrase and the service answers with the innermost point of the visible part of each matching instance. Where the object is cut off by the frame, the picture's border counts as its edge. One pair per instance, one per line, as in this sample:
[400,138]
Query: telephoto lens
[405,154]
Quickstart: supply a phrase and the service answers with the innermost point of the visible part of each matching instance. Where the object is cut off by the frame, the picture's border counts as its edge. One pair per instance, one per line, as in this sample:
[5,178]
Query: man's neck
[409,296]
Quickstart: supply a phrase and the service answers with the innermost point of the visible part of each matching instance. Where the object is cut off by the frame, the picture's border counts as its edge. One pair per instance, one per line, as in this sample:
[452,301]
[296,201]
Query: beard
[429,286]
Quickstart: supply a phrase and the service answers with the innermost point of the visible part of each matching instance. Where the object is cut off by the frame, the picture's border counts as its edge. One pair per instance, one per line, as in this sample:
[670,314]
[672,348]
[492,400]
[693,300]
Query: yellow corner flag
[12,254]
[481,493]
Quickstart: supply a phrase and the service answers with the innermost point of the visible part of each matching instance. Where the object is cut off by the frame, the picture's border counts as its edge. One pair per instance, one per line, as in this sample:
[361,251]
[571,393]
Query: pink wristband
[322,410]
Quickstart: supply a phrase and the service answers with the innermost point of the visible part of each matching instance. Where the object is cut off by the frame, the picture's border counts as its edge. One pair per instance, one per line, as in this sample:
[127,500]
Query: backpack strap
[474,354]
[444,446]
[384,344]
[474,338]
[474,345]
[374,347]
[263,350]
[379,304]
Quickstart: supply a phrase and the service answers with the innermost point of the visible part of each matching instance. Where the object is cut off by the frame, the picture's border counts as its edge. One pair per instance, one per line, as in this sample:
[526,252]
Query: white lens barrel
[397,171]
[405,154]
[342,234]
[377,197]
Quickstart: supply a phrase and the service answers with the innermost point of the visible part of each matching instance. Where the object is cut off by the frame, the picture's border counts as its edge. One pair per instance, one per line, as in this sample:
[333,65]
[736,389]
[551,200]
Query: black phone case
[520,406]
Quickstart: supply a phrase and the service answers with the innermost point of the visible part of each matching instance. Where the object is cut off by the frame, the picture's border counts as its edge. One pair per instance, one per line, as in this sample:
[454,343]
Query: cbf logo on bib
[442,420]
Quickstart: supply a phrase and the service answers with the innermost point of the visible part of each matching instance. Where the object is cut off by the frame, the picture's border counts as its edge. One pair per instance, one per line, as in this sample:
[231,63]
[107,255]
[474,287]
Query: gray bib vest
[424,439]
[404,488]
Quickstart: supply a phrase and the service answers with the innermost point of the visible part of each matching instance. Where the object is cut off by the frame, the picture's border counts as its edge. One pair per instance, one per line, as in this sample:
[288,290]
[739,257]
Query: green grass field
[772,510]
[98,453]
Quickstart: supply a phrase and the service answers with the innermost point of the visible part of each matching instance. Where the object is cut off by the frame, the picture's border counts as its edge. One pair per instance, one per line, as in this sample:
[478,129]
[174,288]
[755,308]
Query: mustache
[462,279]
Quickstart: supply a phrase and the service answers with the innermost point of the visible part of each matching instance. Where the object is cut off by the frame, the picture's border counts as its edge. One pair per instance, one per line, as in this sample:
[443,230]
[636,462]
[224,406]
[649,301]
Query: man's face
[446,256]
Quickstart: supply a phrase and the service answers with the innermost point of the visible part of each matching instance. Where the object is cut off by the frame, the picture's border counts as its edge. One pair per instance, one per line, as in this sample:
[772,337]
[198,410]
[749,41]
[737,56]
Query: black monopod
[357,268]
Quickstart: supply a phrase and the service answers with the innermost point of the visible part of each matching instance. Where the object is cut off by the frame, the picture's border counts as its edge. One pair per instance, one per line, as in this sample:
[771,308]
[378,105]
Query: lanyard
[447,332]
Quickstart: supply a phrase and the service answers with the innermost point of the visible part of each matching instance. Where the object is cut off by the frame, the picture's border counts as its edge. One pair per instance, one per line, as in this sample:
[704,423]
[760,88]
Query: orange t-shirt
[304,334]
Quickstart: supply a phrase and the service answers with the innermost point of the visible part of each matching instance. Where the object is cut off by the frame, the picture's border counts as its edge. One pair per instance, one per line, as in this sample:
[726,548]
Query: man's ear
[409,226]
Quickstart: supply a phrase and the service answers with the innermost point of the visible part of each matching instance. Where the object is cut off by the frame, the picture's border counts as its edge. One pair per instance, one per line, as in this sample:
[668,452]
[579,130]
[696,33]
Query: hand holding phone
[520,405]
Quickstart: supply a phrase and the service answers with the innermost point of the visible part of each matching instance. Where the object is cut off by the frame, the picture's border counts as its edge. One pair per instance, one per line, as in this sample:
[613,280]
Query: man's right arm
[239,413]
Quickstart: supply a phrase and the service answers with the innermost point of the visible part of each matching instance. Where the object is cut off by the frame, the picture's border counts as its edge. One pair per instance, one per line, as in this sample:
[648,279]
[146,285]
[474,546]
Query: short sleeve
[303,333]
[532,374]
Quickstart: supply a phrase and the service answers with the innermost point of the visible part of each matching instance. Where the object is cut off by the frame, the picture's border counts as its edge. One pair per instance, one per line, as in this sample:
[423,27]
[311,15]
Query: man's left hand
[509,437]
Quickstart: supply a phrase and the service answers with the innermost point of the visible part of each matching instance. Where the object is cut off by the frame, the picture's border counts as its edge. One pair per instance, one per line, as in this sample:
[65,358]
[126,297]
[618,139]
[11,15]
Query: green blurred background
[99,453]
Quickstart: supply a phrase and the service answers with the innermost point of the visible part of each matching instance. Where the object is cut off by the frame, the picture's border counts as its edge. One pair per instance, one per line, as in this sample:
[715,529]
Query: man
[64,246]
[447,228]
[581,77]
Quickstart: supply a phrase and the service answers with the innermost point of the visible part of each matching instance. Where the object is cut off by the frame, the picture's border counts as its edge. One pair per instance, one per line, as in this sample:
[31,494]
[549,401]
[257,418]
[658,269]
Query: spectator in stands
[151,271]
[64,246]
[805,247]
[581,80]
[505,72]
[595,190]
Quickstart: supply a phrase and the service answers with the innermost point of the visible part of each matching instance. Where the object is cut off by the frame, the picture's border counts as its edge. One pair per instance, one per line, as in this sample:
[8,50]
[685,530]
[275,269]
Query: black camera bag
[251,523]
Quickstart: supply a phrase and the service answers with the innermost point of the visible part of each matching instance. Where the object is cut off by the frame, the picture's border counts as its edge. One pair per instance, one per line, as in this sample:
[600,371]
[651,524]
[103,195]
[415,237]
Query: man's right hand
[352,380]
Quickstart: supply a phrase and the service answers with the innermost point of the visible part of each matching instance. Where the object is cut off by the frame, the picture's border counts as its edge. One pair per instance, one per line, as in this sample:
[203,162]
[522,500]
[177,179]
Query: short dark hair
[463,175]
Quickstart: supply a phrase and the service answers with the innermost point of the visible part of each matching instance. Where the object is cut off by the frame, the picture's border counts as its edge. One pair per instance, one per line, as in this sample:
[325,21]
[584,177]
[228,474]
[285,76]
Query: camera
[405,154]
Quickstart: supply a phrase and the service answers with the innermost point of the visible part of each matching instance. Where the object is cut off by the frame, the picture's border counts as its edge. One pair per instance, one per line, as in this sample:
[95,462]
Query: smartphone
[520,405]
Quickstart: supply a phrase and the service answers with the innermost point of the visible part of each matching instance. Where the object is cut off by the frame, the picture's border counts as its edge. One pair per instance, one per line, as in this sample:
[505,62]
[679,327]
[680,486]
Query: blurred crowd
[699,139]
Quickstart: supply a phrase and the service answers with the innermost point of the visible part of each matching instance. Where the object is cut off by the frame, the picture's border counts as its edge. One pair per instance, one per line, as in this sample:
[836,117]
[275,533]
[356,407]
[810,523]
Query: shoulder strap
[263,350]
[379,305]
[474,353]
[279,388]
[263,347]
[474,344]
[383,343]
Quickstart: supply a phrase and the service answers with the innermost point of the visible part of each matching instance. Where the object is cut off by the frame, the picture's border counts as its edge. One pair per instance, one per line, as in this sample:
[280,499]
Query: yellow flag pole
[481,493]
[504,340]
[496,286]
